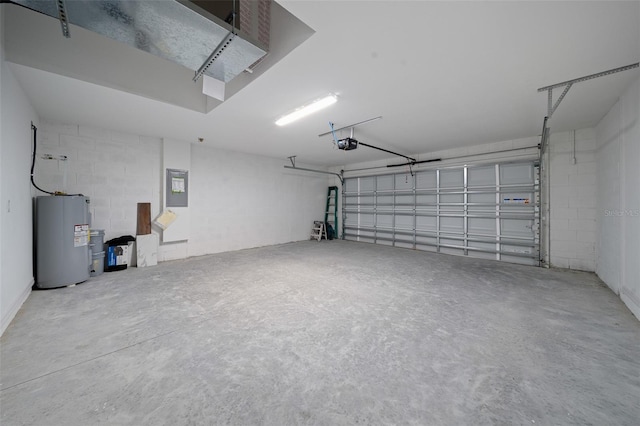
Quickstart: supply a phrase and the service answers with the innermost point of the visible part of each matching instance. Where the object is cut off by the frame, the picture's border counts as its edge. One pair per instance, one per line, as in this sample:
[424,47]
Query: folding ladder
[331,212]
[319,231]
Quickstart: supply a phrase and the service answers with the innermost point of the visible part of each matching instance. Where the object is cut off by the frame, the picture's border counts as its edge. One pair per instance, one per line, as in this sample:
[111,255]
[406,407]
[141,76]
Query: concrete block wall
[618,198]
[573,199]
[116,170]
[236,200]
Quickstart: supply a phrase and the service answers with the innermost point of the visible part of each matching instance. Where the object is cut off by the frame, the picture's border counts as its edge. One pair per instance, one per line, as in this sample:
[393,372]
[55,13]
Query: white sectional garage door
[489,211]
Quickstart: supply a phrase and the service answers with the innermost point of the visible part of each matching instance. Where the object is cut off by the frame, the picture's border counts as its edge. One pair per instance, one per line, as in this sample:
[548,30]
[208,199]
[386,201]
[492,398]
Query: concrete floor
[324,333]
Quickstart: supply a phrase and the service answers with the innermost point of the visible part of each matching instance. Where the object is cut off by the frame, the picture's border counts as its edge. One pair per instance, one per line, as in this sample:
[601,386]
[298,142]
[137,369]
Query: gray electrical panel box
[177,193]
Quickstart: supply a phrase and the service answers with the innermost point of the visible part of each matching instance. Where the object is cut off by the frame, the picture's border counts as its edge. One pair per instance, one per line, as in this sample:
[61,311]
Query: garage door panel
[426,223]
[422,199]
[518,259]
[384,200]
[485,254]
[423,247]
[431,241]
[481,226]
[367,184]
[426,180]
[481,176]
[452,198]
[405,199]
[384,183]
[385,233]
[426,211]
[403,243]
[366,201]
[519,173]
[452,178]
[404,222]
[404,182]
[483,246]
[453,242]
[384,220]
[451,224]
[351,185]
[516,227]
[482,198]
[515,249]
[454,251]
[366,219]
[351,219]
[493,216]
[516,201]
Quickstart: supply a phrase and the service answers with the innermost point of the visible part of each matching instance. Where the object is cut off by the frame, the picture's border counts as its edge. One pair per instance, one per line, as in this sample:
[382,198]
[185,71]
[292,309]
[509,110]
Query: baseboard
[631,301]
[7,317]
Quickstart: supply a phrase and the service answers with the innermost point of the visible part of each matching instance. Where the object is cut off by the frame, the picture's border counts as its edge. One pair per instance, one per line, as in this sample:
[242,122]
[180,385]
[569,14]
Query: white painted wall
[236,201]
[244,201]
[573,199]
[2,321]
[16,265]
[608,230]
[618,200]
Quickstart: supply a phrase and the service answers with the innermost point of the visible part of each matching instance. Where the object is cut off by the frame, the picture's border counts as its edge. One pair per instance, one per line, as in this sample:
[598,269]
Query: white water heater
[62,240]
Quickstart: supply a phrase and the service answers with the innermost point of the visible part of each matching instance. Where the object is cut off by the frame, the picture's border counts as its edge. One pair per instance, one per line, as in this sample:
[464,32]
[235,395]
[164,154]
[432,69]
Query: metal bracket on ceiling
[220,48]
[214,55]
[293,166]
[350,126]
[62,15]
[551,107]
[542,146]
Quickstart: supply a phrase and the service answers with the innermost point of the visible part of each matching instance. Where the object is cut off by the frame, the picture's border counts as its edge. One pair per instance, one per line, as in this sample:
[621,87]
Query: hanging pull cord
[335,139]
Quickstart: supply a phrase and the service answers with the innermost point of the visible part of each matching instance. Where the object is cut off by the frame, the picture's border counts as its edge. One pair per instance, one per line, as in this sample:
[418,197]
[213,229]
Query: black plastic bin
[117,253]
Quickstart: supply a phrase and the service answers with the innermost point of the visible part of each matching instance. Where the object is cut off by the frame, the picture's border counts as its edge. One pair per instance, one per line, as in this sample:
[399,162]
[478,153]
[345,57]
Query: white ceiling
[442,74]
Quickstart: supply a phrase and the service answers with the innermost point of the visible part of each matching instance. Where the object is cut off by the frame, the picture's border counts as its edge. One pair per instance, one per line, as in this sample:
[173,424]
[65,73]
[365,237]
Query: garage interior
[478,167]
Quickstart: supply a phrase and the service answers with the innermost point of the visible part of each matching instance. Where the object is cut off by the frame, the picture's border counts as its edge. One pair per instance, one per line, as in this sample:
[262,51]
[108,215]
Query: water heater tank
[62,240]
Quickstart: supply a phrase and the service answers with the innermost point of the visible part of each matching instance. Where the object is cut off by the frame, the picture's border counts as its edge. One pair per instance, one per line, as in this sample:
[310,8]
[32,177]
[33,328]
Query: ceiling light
[307,109]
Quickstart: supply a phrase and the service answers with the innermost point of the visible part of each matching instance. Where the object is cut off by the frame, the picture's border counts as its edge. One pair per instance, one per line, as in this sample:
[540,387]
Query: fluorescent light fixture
[314,106]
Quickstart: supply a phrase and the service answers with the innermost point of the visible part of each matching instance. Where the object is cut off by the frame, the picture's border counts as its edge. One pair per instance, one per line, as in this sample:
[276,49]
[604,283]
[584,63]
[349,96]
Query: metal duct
[179,31]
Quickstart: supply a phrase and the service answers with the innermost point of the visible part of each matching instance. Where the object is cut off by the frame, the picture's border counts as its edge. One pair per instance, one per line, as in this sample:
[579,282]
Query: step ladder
[331,212]
[319,231]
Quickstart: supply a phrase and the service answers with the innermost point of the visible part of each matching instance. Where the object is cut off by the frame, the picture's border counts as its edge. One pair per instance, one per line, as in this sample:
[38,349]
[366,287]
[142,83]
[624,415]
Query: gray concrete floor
[324,333]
